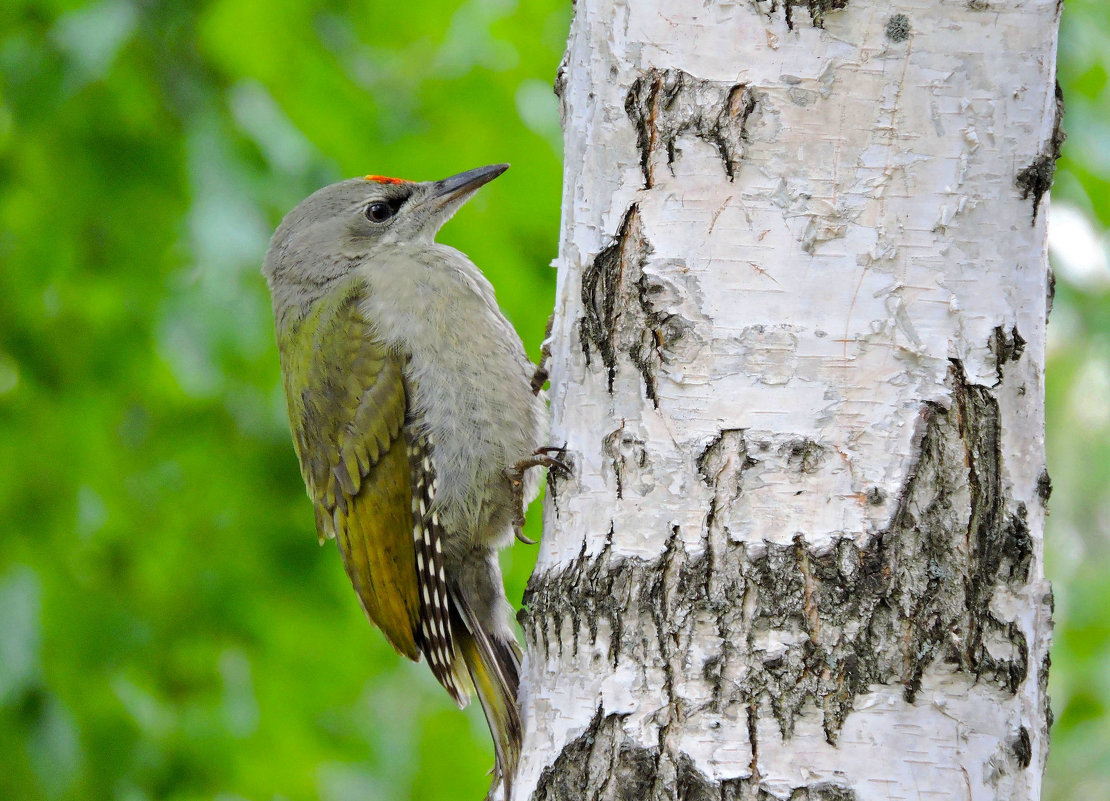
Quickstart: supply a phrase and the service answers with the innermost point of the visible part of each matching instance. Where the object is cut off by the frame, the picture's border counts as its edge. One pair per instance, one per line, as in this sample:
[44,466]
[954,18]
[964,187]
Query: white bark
[798,366]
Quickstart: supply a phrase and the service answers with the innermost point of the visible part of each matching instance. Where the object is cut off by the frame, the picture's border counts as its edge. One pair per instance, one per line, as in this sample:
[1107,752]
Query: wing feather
[347,407]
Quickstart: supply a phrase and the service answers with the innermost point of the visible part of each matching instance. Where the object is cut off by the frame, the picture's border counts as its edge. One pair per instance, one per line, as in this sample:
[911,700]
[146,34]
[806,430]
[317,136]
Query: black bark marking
[621,315]
[646,349]
[603,289]
[664,105]
[898,28]
[1036,179]
[604,764]
[1016,547]
[1042,688]
[722,466]
[1044,487]
[625,453]
[916,594]
[1006,347]
[1023,748]
[817,10]
[804,455]
[1049,294]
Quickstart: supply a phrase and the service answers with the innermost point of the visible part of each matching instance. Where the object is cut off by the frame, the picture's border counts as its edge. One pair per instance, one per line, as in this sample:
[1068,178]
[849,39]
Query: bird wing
[347,406]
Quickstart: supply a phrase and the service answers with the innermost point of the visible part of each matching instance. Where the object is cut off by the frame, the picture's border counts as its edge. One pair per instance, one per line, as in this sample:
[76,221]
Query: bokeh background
[168,628]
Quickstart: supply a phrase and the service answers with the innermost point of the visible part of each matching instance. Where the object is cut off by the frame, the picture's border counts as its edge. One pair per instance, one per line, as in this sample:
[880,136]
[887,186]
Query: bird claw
[541,458]
[515,474]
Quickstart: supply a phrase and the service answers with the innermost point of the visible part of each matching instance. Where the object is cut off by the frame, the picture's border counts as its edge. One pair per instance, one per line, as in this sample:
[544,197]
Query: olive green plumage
[410,401]
[346,410]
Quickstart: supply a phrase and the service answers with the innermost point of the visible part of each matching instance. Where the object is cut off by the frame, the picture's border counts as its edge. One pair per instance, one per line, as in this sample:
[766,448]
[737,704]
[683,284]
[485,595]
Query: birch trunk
[799,350]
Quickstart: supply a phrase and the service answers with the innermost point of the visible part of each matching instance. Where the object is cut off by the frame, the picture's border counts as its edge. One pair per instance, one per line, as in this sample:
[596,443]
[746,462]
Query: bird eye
[378,212]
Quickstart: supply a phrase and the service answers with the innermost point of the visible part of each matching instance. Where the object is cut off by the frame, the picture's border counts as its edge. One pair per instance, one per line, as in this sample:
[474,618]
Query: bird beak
[450,193]
[438,201]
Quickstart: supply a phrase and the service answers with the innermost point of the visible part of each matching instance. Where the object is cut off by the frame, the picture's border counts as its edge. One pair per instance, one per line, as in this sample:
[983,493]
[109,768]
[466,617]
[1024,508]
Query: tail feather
[494,667]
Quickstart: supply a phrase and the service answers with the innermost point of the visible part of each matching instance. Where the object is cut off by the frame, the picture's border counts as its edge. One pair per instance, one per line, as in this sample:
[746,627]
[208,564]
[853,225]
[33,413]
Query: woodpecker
[415,422]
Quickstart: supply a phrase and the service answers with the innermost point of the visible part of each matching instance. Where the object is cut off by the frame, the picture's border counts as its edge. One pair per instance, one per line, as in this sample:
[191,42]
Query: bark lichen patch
[817,627]
[1036,179]
[898,28]
[626,309]
[604,764]
[665,105]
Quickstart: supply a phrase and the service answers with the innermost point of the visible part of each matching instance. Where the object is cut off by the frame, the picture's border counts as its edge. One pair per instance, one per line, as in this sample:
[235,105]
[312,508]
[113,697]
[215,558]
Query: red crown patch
[381,179]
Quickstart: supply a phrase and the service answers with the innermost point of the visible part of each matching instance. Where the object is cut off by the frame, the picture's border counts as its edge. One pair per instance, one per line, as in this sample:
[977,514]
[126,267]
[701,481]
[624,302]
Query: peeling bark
[665,105]
[799,348]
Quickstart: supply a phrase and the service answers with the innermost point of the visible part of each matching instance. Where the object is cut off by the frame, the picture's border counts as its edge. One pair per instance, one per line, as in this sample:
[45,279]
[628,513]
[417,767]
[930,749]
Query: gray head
[343,224]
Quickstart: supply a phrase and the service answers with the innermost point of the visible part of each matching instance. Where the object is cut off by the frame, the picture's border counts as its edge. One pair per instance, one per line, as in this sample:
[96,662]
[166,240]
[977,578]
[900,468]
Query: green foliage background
[168,629]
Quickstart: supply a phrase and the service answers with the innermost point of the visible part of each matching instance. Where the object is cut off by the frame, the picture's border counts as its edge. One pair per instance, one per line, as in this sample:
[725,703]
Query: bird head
[351,221]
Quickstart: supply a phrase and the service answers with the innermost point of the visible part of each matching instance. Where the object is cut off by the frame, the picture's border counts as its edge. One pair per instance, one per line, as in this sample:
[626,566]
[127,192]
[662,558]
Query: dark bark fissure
[625,455]
[1006,347]
[1042,686]
[1036,179]
[604,326]
[722,465]
[914,596]
[665,105]
[621,316]
[1044,487]
[816,8]
[630,772]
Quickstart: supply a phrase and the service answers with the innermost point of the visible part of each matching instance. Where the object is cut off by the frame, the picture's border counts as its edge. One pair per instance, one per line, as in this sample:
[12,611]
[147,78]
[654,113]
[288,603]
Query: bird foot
[539,458]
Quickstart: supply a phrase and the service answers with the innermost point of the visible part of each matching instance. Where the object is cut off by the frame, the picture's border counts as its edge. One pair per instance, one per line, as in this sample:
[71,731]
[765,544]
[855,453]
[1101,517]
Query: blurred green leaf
[168,627]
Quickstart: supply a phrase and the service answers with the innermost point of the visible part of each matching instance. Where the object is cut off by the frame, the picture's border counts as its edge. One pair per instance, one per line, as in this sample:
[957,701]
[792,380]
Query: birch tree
[798,368]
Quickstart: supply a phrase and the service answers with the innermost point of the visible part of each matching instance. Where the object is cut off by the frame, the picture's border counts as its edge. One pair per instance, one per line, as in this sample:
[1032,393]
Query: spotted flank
[435,637]
[382,179]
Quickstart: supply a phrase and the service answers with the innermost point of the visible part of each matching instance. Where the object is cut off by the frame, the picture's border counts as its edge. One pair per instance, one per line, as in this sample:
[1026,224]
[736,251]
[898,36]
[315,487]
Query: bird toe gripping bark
[515,474]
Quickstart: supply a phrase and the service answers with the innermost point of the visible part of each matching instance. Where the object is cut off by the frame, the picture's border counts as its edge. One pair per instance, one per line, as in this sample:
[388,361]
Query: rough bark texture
[798,362]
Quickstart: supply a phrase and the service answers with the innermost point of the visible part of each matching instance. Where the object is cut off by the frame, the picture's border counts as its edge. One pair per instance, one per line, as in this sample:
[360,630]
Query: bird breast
[468,379]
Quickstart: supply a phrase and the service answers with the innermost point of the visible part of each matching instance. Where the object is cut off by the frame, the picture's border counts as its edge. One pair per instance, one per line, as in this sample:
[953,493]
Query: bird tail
[494,667]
